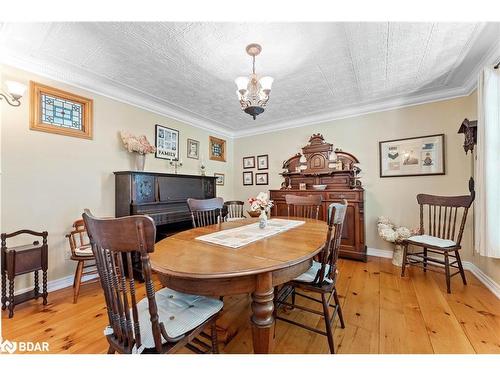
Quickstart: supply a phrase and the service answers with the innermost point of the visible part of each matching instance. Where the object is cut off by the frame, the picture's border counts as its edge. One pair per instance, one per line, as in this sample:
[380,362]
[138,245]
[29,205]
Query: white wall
[48,179]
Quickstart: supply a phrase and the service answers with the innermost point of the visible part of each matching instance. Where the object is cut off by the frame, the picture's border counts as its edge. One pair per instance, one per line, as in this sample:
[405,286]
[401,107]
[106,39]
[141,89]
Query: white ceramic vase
[262,219]
[397,256]
[140,160]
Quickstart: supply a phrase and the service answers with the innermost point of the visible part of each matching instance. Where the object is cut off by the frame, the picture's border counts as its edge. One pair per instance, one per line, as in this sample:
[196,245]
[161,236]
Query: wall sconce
[15,91]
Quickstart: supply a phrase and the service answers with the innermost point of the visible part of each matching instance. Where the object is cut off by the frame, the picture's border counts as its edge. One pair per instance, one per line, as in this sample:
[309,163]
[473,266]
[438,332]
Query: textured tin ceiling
[321,70]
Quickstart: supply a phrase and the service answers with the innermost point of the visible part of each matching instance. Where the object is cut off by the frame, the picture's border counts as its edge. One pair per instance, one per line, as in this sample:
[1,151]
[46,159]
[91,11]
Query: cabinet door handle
[342,196]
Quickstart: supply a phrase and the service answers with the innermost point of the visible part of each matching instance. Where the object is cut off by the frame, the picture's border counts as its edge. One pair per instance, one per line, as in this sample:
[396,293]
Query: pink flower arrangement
[261,202]
[138,144]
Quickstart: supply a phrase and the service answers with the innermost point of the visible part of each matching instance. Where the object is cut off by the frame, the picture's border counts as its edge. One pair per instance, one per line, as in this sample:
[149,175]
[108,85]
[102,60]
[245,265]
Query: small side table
[19,260]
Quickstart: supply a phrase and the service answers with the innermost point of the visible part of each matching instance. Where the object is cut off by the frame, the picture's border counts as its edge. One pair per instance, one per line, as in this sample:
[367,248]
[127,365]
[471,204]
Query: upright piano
[163,196]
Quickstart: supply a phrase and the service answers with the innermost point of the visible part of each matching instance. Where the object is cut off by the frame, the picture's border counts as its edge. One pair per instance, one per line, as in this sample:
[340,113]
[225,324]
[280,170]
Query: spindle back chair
[330,253]
[113,241]
[439,215]
[320,278]
[81,252]
[303,206]
[234,209]
[442,223]
[205,211]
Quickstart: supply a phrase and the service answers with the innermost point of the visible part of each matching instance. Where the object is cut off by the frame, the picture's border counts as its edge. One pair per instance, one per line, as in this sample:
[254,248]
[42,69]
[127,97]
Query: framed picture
[262,162]
[248,162]
[167,143]
[193,149]
[247,178]
[217,149]
[60,112]
[261,178]
[417,156]
[220,179]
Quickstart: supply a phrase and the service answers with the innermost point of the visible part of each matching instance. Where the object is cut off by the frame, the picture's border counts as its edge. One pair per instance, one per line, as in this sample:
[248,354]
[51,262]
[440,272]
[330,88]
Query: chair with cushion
[320,278]
[303,206]
[443,237]
[163,321]
[233,210]
[205,211]
[81,252]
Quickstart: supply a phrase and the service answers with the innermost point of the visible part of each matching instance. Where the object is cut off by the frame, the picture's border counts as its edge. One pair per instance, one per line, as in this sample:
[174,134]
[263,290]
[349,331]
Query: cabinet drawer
[348,195]
[281,193]
[28,261]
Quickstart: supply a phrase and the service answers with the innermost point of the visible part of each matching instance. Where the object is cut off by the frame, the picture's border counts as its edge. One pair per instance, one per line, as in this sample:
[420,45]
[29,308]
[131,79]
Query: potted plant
[260,204]
[140,145]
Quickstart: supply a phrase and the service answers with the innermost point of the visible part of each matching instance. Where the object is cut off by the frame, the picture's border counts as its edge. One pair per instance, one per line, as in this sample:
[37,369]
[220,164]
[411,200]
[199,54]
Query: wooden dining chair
[321,278]
[163,321]
[81,252]
[234,210]
[303,206]
[205,211]
[439,234]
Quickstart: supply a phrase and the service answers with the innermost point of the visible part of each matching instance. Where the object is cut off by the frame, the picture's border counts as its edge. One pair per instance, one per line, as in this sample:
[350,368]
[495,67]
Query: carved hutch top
[319,164]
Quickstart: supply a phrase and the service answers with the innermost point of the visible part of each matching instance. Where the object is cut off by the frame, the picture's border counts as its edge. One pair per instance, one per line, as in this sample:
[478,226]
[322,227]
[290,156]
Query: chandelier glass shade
[253,92]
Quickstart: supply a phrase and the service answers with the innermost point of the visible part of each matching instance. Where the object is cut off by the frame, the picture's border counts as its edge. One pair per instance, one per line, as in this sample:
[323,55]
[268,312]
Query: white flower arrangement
[261,202]
[139,144]
[388,231]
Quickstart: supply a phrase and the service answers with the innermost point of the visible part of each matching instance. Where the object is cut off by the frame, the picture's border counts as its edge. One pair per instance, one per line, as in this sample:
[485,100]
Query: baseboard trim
[371,251]
[487,281]
[57,284]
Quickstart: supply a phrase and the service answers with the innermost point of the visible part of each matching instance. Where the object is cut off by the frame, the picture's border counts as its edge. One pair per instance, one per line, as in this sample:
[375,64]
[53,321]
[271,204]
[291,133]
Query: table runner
[241,236]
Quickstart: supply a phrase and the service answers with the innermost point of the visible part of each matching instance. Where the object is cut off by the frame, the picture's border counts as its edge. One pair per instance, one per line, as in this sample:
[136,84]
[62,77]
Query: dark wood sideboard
[163,196]
[320,169]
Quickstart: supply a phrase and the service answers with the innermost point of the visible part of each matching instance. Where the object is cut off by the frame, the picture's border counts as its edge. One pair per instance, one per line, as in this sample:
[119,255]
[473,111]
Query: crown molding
[109,89]
[490,58]
[153,104]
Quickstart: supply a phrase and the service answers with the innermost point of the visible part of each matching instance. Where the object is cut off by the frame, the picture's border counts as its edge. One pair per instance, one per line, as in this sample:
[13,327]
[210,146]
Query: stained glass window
[61,112]
[216,149]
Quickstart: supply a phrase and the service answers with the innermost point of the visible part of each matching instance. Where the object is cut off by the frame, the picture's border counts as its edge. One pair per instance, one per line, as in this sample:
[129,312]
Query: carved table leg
[262,317]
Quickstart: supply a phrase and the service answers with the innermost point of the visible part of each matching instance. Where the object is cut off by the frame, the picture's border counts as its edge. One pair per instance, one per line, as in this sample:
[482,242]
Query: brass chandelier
[253,92]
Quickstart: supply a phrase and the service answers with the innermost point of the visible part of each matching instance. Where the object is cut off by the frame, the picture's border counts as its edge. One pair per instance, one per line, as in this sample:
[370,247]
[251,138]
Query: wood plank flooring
[384,313]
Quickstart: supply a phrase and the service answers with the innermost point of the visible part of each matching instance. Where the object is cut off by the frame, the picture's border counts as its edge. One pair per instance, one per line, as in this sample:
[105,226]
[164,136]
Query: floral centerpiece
[138,144]
[261,204]
[390,232]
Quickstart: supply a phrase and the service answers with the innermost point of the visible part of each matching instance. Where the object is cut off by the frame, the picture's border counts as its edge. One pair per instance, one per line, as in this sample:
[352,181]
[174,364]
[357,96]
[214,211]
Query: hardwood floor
[384,313]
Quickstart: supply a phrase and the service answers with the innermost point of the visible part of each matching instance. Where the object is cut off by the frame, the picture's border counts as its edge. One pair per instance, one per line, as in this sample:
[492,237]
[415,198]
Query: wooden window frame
[36,89]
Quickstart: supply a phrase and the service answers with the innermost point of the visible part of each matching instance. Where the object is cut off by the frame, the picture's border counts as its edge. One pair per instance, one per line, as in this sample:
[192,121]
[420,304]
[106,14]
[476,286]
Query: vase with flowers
[262,204]
[388,231]
[138,144]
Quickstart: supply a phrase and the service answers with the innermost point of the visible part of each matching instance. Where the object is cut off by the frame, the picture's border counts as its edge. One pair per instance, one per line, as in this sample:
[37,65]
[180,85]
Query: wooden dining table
[193,266]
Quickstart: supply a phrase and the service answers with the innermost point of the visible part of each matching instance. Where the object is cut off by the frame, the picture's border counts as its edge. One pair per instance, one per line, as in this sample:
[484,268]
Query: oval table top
[181,255]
